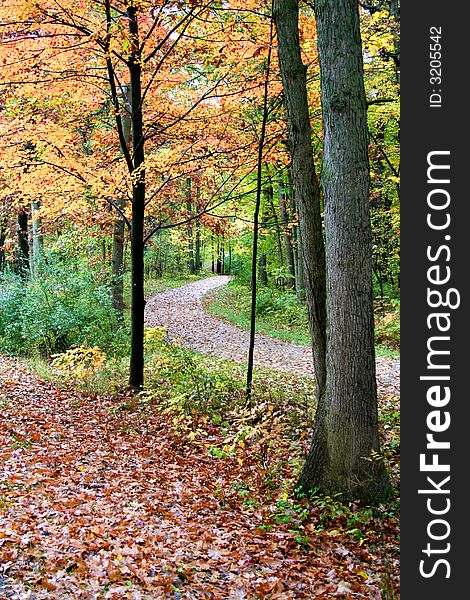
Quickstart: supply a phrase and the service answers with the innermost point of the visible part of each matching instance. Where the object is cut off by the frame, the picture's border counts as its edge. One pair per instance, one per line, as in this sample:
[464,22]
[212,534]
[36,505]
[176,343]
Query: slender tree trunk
[197,258]
[37,237]
[117,264]
[218,265]
[262,272]
[288,251]
[117,268]
[212,254]
[136,376]
[300,279]
[189,230]
[23,245]
[269,194]
[262,261]
[251,347]
[296,245]
[3,235]
[286,15]
[222,257]
[345,447]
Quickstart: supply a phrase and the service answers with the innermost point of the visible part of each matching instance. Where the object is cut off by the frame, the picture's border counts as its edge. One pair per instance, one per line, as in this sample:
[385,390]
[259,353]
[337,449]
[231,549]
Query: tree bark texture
[344,453]
[268,193]
[117,268]
[256,215]
[218,261]
[297,243]
[262,260]
[286,15]
[262,273]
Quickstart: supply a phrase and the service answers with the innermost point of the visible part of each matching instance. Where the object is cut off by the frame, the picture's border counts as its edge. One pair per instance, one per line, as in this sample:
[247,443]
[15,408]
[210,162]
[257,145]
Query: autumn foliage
[133,144]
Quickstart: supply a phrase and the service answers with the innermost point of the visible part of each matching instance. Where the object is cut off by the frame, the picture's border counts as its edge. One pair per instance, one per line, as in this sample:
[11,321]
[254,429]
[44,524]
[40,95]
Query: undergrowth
[204,400]
[279,314]
[67,304]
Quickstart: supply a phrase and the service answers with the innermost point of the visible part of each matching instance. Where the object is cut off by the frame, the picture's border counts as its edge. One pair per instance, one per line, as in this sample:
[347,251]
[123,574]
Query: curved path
[181,311]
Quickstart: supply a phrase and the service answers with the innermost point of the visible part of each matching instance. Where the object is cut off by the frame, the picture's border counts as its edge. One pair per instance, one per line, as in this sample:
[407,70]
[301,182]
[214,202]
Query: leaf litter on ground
[99,502]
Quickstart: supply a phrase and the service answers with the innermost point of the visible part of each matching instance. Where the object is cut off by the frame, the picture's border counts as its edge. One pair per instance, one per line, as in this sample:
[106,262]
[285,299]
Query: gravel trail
[181,311]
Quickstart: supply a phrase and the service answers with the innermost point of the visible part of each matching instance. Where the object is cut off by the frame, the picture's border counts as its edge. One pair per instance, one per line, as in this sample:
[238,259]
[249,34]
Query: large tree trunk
[286,14]
[345,447]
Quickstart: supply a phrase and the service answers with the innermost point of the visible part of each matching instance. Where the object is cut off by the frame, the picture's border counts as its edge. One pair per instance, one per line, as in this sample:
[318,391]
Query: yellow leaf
[363,574]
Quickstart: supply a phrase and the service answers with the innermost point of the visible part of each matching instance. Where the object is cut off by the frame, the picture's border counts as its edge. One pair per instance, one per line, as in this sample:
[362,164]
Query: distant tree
[23,245]
[286,234]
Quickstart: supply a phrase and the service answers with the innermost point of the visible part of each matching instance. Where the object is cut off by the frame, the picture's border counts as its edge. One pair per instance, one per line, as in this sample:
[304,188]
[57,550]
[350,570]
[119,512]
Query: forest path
[181,311]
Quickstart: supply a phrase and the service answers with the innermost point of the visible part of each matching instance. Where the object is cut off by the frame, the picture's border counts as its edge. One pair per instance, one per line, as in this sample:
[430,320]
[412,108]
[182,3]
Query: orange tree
[77,76]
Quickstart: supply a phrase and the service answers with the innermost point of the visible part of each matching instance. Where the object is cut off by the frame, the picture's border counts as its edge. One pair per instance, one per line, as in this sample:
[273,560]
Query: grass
[281,316]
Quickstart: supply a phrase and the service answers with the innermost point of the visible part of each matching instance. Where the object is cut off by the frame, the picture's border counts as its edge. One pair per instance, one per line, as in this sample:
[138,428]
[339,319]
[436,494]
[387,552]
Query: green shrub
[66,304]
[196,384]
